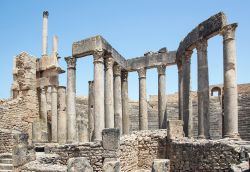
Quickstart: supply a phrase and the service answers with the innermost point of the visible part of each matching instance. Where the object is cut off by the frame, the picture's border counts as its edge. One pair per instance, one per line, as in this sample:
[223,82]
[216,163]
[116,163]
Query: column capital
[124,76]
[142,72]
[109,62]
[71,62]
[117,70]
[201,45]
[161,69]
[99,56]
[45,14]
[228,31]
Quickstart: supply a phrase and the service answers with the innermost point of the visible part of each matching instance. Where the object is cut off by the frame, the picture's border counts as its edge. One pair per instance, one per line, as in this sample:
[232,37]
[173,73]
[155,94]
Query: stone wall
[6,140]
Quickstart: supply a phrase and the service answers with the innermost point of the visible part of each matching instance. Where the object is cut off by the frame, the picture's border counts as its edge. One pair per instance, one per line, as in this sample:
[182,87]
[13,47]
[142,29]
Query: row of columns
[230,88]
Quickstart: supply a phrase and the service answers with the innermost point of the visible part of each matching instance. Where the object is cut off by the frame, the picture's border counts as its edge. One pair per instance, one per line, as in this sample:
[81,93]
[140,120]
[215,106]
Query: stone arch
[216,89]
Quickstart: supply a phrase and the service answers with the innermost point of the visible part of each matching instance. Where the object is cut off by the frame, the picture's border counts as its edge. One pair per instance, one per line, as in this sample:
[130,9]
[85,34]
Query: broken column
[162,113]
[125,114]
[43,115]
[109,96]
[91,119]
[230,83]
[71,99]
[98,94]
[203,90]
[143,110]
[62,116]
[45,33]
[186,92]
[54,113]
[117,97]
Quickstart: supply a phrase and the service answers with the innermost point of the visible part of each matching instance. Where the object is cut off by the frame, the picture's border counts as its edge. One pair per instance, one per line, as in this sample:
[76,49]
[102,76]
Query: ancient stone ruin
[46,127]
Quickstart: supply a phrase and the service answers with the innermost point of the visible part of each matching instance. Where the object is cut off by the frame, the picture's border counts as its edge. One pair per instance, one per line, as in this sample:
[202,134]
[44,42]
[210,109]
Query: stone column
[118,97]
[62,116]
[230,82]
[125,114]
[54,113]
[143,110]
[162,111]
[180,91]
[186,93]
[91,118]
[203,90]
[98,95]
[43,114]
[109,96]
[45,33]
[71,100]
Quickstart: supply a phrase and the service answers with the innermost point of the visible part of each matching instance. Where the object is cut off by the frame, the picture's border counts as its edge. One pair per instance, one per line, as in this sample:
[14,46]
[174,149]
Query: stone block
[79,164]
[111,165]
[175,129]
[111,138]
[161,165]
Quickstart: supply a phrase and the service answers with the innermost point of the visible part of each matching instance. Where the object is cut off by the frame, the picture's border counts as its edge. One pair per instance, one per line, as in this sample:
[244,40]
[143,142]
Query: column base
[201,137]
[232,136]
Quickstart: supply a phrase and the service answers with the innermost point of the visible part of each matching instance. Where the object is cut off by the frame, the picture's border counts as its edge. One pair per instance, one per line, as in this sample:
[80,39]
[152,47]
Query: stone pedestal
[62,116]
[175,129]
[54,113]
[109,96]
[43,115]
[203,90]
[91,118]
[125,114]
[71,100]
[162,113]
[143,110]
[230,83]
[117,97]
[99,95]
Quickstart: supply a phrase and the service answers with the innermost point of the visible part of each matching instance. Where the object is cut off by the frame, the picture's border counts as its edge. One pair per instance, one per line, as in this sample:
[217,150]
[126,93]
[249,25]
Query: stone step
[5,170]
[6,167]
[6,161]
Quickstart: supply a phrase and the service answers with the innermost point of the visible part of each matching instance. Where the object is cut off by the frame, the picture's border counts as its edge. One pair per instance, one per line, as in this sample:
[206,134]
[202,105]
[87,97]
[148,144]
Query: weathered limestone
[91,118]
[109,96]
[62,116]
[70,100]
[175,129]
[117,97]
[125,114]
[111,138]
[230,84]
[55,45]
[186,93]
[162,113]
[161,165]
[54,113]
[203,90]
[111,166]
[98,94]
[43,115]
[79,164]
[143,110]
[180,91]
[45,33]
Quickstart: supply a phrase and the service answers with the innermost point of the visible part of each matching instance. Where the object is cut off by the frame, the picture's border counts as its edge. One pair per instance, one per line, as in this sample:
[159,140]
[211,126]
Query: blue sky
[132,27]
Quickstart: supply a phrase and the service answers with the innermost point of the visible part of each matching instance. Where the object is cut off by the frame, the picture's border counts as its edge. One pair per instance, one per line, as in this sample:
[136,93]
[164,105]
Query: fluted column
[99,94]
[180,91]
[109,96]
[230,82]
[91,117]
[125,114]
[118,97]
[203,90]
[62,116]
[143,110]
[43,113]
[186,94]
[162,111]
[54,113]
[71,99]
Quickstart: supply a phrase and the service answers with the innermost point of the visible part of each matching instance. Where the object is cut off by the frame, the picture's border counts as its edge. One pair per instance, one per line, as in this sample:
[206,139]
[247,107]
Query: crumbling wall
[19,113]
[6,140]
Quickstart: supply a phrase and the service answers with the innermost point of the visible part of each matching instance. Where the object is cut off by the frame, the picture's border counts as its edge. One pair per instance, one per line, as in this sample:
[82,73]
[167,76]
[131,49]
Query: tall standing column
[98,95]
[109,96]
[125,114]
[180,91]
[43,113]
[45,33]
[143,110]
[54,113]
[230,84]
[203,90]
[62,116]
[162,111]
[186,94]
[91,117]
[118,97]
[71,99]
